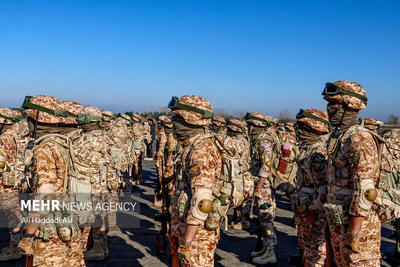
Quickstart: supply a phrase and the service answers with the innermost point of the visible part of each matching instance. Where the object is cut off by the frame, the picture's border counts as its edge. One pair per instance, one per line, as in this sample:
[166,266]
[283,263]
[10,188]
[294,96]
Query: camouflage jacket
[352,158]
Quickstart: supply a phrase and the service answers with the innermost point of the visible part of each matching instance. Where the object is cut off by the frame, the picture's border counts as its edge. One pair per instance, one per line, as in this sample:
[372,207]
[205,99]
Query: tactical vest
[229,190]
[68,227]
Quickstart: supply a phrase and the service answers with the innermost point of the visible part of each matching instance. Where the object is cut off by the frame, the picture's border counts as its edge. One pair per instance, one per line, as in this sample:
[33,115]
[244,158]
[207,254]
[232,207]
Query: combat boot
[267,257]
[105,248]
[97,252]
[254,254]
[11,253]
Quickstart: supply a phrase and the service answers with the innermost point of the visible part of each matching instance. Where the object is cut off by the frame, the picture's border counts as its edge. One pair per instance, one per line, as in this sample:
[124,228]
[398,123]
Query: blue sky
[241,55]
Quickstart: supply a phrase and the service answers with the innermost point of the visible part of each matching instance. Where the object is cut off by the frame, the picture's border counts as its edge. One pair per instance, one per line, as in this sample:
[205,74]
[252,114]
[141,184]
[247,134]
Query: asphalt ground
[137,246]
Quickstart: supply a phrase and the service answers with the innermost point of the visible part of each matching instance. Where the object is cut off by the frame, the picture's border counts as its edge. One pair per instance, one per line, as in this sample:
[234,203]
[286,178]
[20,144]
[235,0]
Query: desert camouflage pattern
[371,123]
[206,156]
[350,101]
[13,143]
[107,115]
[136,117]
[262,156]
[74,108]
[309,199]
[218,120]
[261,116]
[50,102]
[193,117]
[316,124]
[160,147]
[93,111]
[356,159]
[50,169]
[171,149]
[237,125]
[7,113]
[12,151]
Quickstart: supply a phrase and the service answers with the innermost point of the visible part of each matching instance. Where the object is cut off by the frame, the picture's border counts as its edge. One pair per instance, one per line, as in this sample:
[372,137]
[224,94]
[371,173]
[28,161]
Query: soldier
[147,136]
[51,244]
[92,152]
[353,168]
[14,137]
[264,142]
[311,129]
[139,135]
[218,125]
[237,129]
[161,140]
[197,175]
[121,131]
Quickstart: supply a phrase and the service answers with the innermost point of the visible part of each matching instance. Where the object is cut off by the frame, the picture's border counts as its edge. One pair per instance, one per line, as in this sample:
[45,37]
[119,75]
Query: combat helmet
[78,114]
[166,121]
[195,110]
[347,93]
[125,118]
[50,109]
[136,117]
[371,123]
[236,125]
[108,115]
[315,119]
[94,113]
[8,117]
[259,119]
[219,121]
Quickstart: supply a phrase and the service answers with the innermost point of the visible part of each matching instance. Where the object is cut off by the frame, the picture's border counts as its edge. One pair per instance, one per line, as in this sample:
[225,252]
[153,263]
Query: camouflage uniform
[261,162]
[12,151]
[352,161]
[138,146]
[92,159]
[121,135]
[238,130]
[311,191]
[161,142]
[199,169]
[48,175]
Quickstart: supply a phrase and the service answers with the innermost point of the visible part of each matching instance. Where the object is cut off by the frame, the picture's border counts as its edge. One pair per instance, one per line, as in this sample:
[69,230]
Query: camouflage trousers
[266,213]
[57,253]
[369,244]
[297,221]
[203,245]
[312,234]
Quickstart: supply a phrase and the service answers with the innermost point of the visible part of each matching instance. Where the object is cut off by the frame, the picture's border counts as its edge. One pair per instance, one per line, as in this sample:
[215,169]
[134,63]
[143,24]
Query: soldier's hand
[25,246]
[184,255]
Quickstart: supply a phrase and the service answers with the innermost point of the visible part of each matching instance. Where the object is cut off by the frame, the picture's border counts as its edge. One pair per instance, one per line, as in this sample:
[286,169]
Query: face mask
[184,131]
